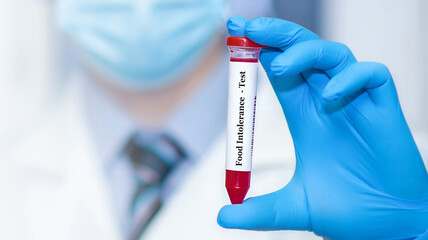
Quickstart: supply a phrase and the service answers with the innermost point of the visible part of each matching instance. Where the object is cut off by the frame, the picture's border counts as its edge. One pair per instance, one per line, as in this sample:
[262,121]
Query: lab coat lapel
[41,193]
[93,216]
[65,191]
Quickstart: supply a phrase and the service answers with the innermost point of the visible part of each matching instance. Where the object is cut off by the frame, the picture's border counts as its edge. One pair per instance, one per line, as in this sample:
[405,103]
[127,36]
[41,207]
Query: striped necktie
[153,158]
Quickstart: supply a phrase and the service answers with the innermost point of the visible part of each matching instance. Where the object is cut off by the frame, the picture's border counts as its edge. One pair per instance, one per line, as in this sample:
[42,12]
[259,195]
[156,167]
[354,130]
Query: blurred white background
[392,32]
[28,64]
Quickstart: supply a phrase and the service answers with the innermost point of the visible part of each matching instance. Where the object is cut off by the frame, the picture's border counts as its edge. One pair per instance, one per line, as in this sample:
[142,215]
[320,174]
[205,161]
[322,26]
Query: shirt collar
[194,125]
[110,126]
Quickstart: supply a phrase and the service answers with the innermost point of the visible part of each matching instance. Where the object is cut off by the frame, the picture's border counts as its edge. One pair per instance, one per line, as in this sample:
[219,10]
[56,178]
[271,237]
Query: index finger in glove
[272,32]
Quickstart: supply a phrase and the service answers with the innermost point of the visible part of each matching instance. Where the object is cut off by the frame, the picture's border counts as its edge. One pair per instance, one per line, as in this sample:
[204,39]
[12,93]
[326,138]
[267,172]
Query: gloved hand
[359,174]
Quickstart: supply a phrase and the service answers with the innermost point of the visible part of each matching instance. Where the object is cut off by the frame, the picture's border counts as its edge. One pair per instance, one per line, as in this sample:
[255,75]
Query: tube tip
[237,195]
[237,185]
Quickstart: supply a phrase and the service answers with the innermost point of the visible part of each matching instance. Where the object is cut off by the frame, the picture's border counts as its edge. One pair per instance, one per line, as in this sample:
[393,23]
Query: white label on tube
[241,115]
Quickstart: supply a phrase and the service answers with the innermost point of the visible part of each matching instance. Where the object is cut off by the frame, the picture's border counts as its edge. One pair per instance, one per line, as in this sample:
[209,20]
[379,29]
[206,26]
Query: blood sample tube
[244,56]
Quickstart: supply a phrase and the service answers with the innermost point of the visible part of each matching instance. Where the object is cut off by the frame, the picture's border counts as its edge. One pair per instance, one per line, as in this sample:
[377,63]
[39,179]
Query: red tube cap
[242,42]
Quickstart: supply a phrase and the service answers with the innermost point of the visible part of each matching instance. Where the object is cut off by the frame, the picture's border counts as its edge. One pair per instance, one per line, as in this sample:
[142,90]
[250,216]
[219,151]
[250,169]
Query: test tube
[243,68]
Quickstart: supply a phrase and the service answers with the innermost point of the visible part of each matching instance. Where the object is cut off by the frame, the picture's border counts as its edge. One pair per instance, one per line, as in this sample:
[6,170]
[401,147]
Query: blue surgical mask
[141,43]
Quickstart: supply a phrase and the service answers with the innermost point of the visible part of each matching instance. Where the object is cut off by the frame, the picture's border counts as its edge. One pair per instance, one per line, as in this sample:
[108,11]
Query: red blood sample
[237,185]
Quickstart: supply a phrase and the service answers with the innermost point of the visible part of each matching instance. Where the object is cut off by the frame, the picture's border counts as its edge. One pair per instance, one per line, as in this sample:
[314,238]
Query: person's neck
[153,108]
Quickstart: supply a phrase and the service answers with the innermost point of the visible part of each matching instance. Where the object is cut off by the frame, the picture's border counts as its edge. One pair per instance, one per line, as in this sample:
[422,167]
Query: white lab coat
[52,186]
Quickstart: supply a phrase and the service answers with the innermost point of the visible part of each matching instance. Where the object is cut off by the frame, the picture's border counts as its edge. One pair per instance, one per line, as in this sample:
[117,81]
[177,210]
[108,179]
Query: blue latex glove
[359,174]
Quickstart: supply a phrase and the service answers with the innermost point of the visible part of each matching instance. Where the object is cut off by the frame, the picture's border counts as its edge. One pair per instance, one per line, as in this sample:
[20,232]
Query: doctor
[146,101]
[119,157]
